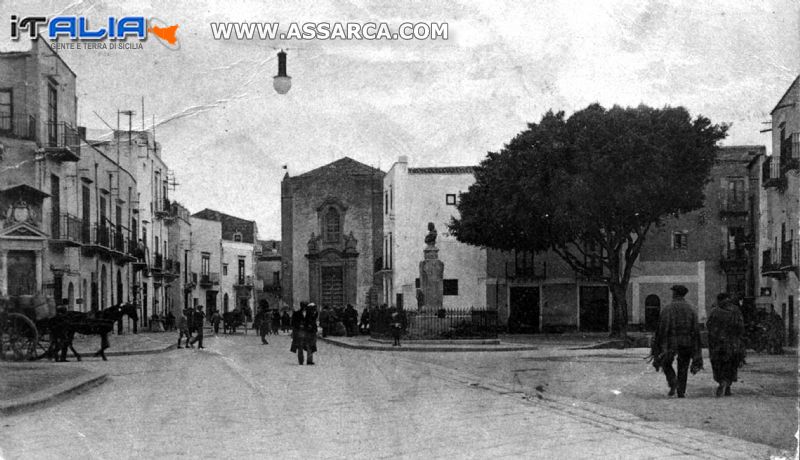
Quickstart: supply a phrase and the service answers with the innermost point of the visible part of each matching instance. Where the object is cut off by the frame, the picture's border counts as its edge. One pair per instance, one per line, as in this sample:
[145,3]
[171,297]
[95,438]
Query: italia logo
[78,28]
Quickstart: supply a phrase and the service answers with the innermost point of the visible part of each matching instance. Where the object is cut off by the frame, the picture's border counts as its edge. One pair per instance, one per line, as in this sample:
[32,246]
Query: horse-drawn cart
[20,340]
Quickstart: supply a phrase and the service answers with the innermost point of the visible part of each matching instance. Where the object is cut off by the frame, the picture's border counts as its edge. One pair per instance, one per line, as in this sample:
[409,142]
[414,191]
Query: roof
[785,100]
[230,225]
[344,166]
[743,153]
[443,170]
[24,189]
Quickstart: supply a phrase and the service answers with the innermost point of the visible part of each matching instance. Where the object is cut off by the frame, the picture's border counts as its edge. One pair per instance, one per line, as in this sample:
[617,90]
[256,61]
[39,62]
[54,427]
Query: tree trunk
[619,324]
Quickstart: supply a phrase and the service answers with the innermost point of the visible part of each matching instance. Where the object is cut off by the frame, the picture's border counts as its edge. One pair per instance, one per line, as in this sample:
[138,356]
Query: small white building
[205,262]
[413,197]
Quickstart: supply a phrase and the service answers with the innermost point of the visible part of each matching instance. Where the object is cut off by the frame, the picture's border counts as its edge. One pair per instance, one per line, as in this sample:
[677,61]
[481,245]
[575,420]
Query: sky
[227,135]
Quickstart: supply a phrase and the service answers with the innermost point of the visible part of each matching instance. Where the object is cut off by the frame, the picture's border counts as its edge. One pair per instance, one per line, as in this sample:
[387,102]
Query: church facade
[331,231]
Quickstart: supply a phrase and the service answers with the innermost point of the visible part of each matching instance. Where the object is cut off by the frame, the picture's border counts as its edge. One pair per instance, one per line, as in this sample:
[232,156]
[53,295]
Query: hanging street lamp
[282,82]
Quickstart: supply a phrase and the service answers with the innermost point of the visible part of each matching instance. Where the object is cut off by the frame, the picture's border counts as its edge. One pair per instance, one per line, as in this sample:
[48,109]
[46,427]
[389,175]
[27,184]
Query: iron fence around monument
[443,324]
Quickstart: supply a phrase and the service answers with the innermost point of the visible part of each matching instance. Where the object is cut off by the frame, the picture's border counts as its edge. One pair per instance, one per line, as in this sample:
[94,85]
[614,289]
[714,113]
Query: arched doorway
[103,287]
[119,287]
[225,303]
[71,295]
[652,309]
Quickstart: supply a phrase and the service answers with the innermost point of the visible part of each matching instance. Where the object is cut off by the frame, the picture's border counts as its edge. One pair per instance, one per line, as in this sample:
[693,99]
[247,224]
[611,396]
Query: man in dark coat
[725,327]
[304,332]
[350,320]
[198,318]
[677,335]
[261,324]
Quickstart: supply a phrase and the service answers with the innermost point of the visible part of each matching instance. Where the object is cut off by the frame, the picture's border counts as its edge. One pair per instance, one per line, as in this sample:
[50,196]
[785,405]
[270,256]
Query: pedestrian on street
[304,332]
[325,320]
[677,335]
[198,319]
[363,326]
[189,313]
[215,319]
[261,323]
[396,328]
[350,320]
[183,328]
[275,321]
[286,321]
[725,327]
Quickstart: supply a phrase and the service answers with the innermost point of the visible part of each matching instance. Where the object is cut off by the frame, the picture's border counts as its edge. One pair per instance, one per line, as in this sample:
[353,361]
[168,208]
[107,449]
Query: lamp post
[282,82]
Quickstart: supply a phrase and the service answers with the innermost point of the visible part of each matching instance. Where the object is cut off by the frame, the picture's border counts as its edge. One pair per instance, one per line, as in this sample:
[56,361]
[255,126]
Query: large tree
[590,187]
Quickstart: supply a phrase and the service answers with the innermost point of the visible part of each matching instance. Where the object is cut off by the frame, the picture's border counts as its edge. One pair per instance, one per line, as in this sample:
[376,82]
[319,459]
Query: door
[594,308]
[524,309]
[21,273]
[52,116]
[332,286]
[652,310]
[211,302]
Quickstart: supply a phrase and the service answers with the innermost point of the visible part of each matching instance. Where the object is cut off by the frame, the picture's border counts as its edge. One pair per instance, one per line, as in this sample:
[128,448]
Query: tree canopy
[598,179]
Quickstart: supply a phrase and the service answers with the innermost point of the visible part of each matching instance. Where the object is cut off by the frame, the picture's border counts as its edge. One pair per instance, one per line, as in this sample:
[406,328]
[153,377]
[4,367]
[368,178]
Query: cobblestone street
[239,399]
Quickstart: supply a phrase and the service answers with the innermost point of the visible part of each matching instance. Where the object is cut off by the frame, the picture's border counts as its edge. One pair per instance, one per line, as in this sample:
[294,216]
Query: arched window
[332,225]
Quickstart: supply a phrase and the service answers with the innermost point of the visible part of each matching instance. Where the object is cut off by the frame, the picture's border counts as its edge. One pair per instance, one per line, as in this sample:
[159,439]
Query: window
[390,250]
[680,240]
[523,263]
[241,270]
[205,263]
[237,237]
[52,115]
[391,198]
[735,198]
[416,283]
[450,287]
[6,110]
[276,278]
[224,269]
[386,202]
[450,199]
[332,226]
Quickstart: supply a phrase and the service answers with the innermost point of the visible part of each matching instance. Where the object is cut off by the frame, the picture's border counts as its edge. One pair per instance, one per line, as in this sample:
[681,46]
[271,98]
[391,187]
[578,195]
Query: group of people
[678,337]
[329,319]
[268,322]
[190,325]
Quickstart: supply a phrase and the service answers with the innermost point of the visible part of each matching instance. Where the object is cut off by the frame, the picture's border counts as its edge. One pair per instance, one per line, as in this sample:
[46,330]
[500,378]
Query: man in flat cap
[678,335]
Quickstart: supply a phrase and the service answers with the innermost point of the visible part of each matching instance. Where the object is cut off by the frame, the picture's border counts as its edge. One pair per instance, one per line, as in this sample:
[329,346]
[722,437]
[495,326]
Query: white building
[412,198]
[780,238]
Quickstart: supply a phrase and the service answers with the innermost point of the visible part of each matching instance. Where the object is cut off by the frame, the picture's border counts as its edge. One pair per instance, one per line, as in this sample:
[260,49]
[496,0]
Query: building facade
[413,197]
[332,225]
[179,253]
[223,248]
[268,273]
[780,242]
[66,204]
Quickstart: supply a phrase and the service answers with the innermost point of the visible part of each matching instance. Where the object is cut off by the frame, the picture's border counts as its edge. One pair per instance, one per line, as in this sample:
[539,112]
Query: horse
[63,326]
[231,320]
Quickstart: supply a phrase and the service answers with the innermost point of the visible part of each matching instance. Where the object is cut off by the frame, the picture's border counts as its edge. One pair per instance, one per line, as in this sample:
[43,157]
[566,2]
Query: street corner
[49,395]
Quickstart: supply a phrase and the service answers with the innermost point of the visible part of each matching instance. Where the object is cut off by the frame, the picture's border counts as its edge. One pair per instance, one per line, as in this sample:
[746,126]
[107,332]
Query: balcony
[157,263]
[769,265]
[96,239]
[66,229]
[790,153]
[734,260]
[18,126]
[162,208]
[733,208]
[63,142]
[208,280]
[775,178]
[790,253]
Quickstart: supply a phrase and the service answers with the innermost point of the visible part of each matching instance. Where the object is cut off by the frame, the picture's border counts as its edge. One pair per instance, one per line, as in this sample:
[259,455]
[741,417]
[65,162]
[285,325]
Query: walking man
[262,324]
[304,332]
[215,319]
[725,327]
[199,317]
[678,335]
[183,328]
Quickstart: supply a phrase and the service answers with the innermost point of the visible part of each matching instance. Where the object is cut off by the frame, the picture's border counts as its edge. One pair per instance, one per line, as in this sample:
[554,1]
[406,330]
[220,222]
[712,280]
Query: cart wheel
[20,338]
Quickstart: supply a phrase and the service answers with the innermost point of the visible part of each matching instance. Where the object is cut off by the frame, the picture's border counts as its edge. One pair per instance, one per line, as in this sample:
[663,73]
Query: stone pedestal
[431,276]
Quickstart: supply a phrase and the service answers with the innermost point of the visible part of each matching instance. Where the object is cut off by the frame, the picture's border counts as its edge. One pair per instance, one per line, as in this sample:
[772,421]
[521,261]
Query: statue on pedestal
[430,238]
